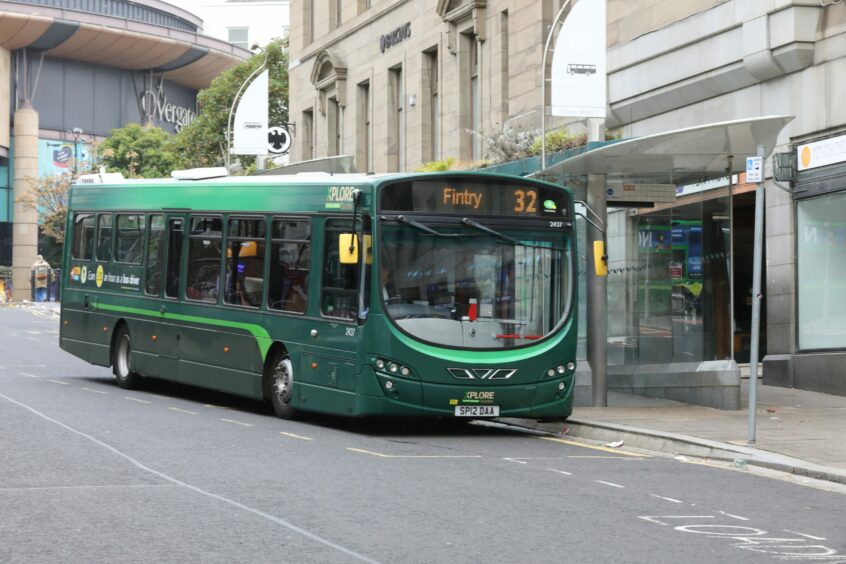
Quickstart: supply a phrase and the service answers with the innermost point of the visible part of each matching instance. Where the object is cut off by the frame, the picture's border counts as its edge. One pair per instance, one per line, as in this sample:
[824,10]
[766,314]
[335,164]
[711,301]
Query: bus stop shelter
[678,157]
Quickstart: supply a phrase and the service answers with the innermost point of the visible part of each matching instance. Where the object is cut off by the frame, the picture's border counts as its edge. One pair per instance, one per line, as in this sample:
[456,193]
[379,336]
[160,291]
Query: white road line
[52,488]
[95,391]
[28,375]
[288,525]
[593,447]
[183,411]
[738,517]
[667,498]
[293,436]
[610,484]
[381,455]
[217,406]
[804,535]
[136,399]
[515,460]
[560,471]
[57,382]
[238,422]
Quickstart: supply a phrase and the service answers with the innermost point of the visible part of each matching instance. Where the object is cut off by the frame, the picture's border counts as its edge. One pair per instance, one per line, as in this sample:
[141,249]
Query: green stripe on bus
[260,333]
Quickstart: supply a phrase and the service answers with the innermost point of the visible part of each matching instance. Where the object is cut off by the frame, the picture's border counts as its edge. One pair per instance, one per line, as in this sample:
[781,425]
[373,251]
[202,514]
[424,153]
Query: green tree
[203,142]
[138,151]
[48,196]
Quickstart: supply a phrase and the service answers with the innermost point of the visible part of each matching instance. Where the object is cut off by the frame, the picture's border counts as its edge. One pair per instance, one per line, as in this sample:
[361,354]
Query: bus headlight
[550,372]
[571,366]
[405,371]
[393,367]
[560,369]
[380,364]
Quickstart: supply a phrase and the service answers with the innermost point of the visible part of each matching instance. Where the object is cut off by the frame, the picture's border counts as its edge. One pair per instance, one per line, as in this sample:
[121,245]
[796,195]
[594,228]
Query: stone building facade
[398,83]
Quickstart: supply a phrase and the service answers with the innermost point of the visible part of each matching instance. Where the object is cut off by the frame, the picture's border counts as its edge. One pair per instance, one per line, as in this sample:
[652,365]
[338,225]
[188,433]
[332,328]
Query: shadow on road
[373,426]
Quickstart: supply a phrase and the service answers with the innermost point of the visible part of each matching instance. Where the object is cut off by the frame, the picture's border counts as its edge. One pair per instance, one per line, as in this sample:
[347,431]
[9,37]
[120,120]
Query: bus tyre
[282,386]
[122,361]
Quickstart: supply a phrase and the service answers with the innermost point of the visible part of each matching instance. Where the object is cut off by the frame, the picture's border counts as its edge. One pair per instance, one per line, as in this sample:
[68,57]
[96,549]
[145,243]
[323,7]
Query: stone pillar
[25,229]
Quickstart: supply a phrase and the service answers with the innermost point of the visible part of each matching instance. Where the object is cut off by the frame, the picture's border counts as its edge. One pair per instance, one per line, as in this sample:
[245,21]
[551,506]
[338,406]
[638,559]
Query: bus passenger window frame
[242,293]
[142,228]
[111,243]
[302,290]
[211,236]
[161,252]
[78,236]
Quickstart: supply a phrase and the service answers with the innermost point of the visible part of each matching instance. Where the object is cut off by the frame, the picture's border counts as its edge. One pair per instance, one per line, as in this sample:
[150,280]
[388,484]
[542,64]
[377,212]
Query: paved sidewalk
[797,431]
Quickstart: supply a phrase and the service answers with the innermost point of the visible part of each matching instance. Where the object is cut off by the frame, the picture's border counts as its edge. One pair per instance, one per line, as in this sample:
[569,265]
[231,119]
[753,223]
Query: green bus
[446,295]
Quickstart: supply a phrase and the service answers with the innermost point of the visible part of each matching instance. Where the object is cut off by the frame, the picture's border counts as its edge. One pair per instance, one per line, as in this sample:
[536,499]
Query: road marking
[217,406]
[515,460]
[609,484]
[95,391]
[136,399]
[603,449]
[560,471]
[602,456]
[803,534]
[51,488]
[279,521]
[381,455]
[293,436]
[57,382]
[738,517]
[667,498]
[182,410]
[28,375]
[238,422]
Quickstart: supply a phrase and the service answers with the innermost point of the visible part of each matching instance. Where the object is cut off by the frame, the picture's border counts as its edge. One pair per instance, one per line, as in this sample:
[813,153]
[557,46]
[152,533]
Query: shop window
[821,255]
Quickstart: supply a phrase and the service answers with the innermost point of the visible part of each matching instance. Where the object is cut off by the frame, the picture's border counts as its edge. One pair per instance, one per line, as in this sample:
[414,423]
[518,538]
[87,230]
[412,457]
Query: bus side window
[340,281]
[104,237]
[174,258]
[204,254]
[155,254]
[130,237]
[83,237]
[290,261]
[244,273]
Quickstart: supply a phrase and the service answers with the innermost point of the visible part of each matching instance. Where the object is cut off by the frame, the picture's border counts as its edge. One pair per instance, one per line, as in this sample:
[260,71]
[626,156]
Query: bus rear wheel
[282,386]
[122,360]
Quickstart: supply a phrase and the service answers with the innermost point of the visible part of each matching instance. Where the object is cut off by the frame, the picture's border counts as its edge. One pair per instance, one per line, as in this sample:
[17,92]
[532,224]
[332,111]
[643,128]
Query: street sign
[754,169]
[278,140]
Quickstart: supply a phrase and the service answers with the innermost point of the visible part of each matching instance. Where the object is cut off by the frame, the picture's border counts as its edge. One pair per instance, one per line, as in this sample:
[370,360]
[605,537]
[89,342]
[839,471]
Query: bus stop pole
[597,292]
[756,299]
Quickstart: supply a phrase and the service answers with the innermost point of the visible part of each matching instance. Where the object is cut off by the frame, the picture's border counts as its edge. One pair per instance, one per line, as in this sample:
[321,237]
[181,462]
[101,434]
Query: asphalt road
[93,473]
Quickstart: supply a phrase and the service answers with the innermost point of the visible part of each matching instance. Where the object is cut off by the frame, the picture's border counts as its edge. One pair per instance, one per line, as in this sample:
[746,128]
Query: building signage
[154,104]
[390,39]
[822,153]
[630,192]
[250,125]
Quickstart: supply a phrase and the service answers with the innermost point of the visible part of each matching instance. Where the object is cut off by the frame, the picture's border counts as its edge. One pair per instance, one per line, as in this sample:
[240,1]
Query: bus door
[170,329]
[329,357]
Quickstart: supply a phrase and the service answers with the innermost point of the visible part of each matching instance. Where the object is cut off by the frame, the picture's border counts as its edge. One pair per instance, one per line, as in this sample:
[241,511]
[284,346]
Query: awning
[683,156]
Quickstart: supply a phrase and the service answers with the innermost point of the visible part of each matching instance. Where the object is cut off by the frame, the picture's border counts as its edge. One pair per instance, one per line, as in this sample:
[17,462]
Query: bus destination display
[473,198]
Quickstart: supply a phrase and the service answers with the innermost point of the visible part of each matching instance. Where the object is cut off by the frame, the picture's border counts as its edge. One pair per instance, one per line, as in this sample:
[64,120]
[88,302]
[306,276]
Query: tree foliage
[138,151]
[203,141]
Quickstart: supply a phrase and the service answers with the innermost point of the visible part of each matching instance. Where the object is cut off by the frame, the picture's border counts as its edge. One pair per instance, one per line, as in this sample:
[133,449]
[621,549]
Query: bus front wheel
[282,386]
[122,360]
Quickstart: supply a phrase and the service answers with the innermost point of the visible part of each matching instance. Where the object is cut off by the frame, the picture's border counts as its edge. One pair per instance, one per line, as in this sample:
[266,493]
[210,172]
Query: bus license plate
[477,411]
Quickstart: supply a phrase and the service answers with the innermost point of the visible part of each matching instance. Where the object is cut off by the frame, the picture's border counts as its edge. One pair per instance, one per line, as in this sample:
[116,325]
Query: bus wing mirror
[347,248]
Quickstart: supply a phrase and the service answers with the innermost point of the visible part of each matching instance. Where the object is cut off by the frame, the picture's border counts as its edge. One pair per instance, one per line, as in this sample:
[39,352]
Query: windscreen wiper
[502,236]
[424,228]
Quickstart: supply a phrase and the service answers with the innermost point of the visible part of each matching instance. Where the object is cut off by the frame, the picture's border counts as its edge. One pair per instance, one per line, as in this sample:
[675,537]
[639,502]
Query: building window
[364,148]
[334,130]
[431,89]
[503,32]
[821,257]
[308,135]
[308,22]
[239,36]
[396,120]
[475,100]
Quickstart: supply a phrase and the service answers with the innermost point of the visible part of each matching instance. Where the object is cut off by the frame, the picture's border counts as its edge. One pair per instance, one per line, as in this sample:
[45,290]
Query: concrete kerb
[672,443]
